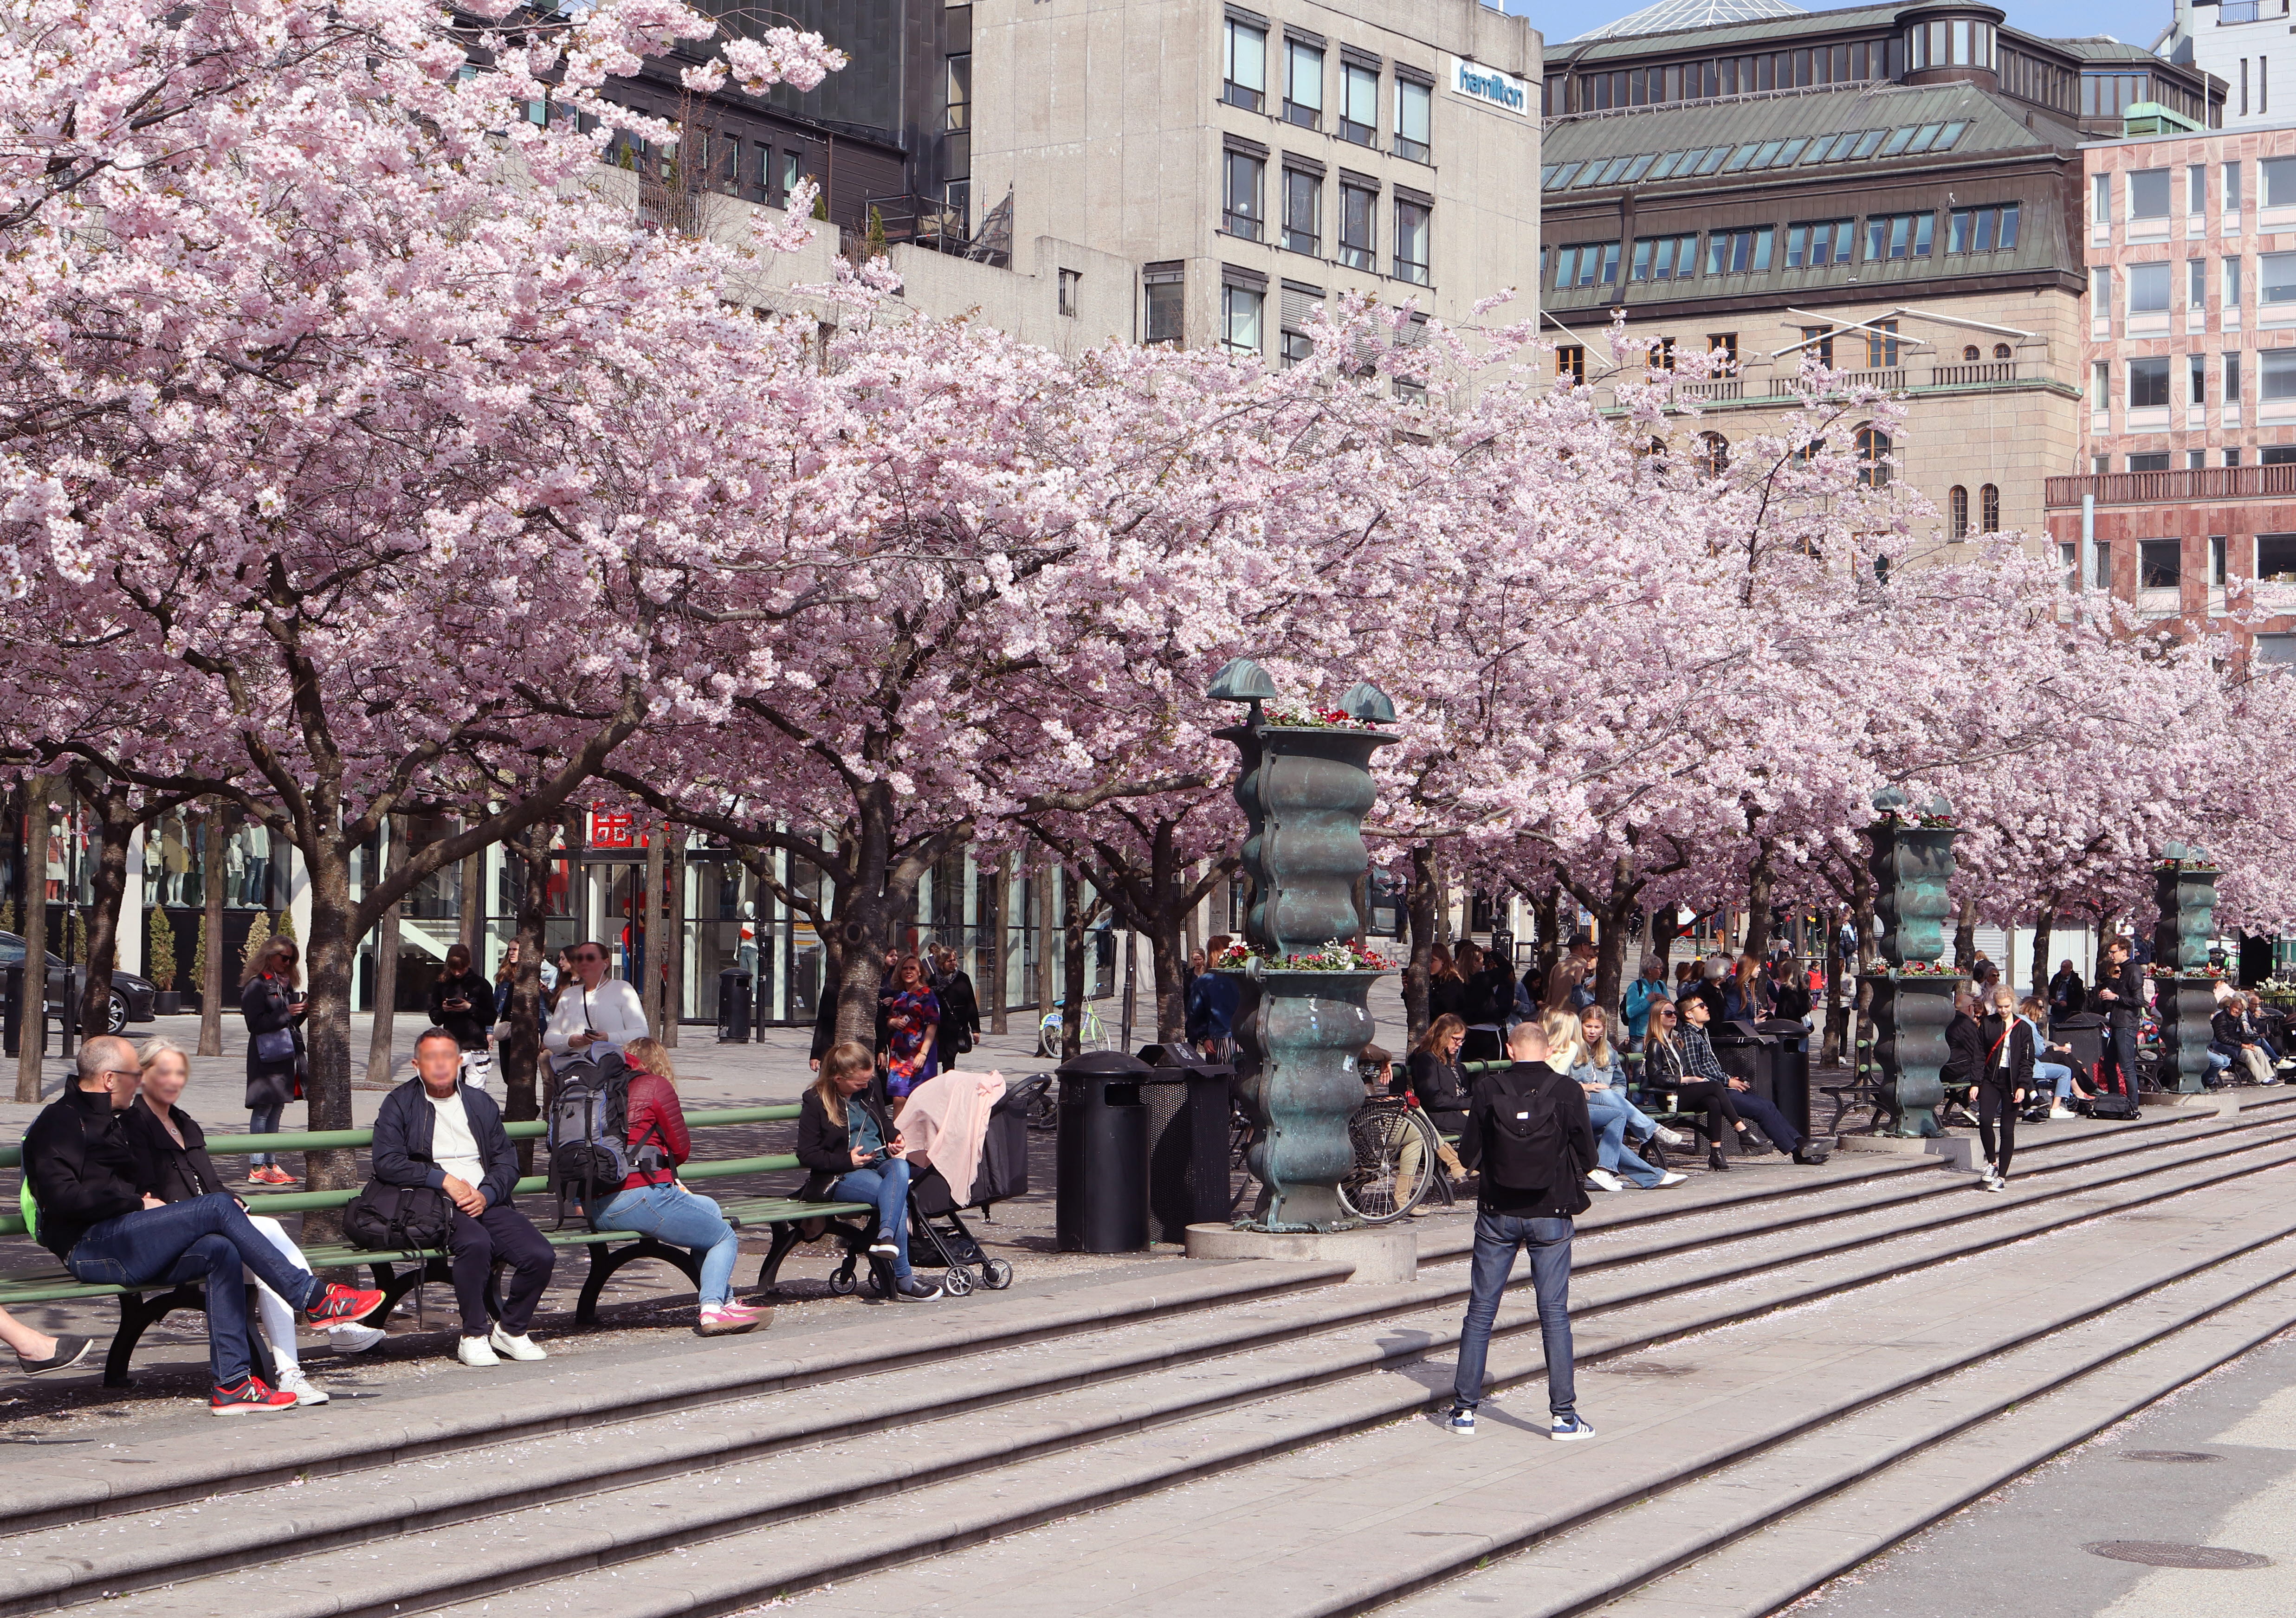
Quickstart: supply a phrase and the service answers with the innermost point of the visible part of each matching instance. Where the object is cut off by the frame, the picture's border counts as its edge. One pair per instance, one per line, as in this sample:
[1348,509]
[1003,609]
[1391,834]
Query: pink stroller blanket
[946,1121]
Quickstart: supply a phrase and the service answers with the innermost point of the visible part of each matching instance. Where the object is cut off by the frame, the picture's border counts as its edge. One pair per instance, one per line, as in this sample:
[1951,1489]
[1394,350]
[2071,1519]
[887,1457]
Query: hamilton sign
[1499,91]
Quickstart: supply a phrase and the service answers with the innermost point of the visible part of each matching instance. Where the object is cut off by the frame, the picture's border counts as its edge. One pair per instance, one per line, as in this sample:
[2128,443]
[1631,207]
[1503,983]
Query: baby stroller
[938,1239]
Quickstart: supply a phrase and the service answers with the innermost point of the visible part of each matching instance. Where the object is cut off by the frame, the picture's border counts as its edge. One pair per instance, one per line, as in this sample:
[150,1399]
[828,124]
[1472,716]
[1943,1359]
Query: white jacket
[611,1010]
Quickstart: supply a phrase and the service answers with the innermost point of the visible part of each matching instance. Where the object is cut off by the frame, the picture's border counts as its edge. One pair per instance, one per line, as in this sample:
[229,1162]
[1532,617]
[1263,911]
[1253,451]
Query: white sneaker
[352,1338]
[291,1380]
[476,1351]
[2062,1112]
[1670,1136]
[514,1348]
[1667,1178]
[1604,1178]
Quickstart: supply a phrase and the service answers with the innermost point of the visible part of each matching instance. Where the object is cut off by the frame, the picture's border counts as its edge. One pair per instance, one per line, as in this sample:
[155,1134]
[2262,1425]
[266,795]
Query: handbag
[275,1048]
[398,1217]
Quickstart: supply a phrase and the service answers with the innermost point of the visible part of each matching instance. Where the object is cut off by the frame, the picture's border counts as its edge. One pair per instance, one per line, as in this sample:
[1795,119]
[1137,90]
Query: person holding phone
[595,1013]
[462,1003]
[271,999]
[855,1153]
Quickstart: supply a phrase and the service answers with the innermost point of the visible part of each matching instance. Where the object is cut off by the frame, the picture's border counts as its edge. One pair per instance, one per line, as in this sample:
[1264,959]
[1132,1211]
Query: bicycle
[1050,1033]
[1397,1161]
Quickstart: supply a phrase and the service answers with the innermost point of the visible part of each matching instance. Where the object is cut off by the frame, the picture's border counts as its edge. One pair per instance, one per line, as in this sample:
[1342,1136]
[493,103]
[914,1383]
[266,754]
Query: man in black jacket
[2120,994]
[84,1177]
[436,1131]
[1531,1192]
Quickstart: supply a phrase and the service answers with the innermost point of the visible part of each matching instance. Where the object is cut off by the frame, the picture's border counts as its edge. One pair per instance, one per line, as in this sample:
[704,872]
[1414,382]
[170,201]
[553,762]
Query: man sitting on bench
[91,1216]
[436,1131]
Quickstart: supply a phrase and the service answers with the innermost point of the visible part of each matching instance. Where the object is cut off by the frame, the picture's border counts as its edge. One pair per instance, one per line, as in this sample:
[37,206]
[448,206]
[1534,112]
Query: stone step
[1715,1434]
[178,1456]
[999,1469]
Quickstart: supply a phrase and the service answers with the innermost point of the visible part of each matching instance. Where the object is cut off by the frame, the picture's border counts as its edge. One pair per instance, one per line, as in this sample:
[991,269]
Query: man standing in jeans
[2120,994]
[107,1233]
[1529,1135]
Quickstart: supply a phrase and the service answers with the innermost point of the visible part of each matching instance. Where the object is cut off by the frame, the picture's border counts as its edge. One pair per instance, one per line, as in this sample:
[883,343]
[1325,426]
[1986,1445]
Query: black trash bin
[1744,1053]
[1789,1068]
[732,1006]
[1100,1202]
[1188,1111]
[2084,1030]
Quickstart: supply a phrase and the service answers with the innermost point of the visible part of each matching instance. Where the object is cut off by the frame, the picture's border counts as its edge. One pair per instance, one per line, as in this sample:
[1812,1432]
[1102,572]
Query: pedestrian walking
[1528,1137]
[2010,1050]
[271,999]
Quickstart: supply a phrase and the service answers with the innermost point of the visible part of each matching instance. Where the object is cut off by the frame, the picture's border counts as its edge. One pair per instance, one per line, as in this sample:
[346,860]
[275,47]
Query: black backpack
[397,1218]
[1527,1147]
[589,1133]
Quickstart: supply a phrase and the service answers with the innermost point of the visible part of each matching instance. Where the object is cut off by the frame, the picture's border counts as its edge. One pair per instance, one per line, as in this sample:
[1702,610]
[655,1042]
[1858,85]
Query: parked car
[131,996]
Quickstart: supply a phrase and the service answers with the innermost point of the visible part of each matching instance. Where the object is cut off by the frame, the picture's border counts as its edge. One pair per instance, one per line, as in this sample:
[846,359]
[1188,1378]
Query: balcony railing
[1727,387]
[1965,376]
[2163,488]
[1888,381]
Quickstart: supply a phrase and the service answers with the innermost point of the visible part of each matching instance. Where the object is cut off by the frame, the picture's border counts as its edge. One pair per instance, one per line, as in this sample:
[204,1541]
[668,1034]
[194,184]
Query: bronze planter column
[2183,982]
[1912,1001]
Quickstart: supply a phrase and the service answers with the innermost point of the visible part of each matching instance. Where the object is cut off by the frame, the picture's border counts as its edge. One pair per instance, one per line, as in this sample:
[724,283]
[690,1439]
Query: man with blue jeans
[107,1232]
[2120,994]
[1528,1133]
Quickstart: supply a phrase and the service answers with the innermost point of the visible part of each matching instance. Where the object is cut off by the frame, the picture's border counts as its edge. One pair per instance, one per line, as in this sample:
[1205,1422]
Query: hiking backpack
[588,1135]
[1529,1145]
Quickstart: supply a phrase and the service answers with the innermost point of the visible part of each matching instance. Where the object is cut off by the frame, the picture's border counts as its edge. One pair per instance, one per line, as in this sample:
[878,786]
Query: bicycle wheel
[1395,1163]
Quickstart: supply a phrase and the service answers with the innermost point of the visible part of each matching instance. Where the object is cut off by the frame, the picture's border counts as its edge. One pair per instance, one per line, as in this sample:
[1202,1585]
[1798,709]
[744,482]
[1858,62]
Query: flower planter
[167,1002]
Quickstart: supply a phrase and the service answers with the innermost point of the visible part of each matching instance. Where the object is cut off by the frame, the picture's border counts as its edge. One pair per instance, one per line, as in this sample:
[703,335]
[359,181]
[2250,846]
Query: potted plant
[159,960]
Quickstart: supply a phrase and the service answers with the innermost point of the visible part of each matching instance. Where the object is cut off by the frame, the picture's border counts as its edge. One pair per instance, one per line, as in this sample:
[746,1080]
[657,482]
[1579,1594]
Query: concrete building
[2237,41]
[1894,186]
[2188,507]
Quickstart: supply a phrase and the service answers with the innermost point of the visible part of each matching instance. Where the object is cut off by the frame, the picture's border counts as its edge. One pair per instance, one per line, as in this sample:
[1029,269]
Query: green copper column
[2184,984]
[1912,998]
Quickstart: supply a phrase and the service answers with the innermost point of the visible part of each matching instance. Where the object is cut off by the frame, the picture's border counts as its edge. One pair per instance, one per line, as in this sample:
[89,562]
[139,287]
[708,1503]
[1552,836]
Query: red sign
[613,828]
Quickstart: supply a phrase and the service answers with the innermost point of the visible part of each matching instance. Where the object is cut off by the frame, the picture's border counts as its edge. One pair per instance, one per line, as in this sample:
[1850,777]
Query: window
[2101,554]
[2148,384]
[1724,344]
[1825,241]
[1982,230]
[1068,279]
[2148,289]
[2276,279]
[2100,196]
[2196,283]
[1969,351]
[2196,190]
[1898,235]
[2232,286]
[958,112]
[2157,461]
[2232,457]
[1412,100]
[2275,557]
[2100,286]
[2068,559]
[1359,242]
[1881,346]
[2232,191]
[2195,459]
[2160,564]
[1240,309]
[1873,449]
[1989,509]
[2196,379]
[2100,385]
[1298,306]
[2217,561]
[1303,83]
[1664,258]
[2279,187]
[2275,647]
[1735,252]
[1570,364]
[2231,382]
[2282,455]
[1241,200]
[1818,340]
[2148,193]
[2001,351]
[1164,286]
[1247,66]
[1411,234]
[2276,371]
[1359,103]
[1956,513]
[1713,457]
[1303,211]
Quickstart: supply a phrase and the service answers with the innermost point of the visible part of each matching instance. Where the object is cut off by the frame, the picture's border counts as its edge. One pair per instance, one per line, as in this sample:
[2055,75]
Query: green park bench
[398,1272]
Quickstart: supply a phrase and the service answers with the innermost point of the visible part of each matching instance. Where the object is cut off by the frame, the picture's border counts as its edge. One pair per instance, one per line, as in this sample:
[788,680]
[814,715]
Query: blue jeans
[1497,1236]
[887,1187]
[1769,1119]
[1611,1112]
[2056,1073]
[263,1121]
[205,1239]
[679,1219]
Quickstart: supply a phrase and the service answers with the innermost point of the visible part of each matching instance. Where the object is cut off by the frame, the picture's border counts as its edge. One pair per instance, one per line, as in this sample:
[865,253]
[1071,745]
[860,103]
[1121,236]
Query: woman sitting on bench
[853,1154]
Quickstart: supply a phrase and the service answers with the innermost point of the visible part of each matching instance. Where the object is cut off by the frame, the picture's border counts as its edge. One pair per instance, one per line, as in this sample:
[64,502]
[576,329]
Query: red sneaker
[276,1175]
[342,1304]
[251,1394]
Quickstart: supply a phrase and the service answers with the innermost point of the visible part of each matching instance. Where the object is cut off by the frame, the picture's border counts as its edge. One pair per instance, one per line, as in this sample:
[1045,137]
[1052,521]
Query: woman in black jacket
[462,1003]
[960,1006]
[1666,1070]
[852,1153]
[2007,1053]
[271,999]
[1447,989]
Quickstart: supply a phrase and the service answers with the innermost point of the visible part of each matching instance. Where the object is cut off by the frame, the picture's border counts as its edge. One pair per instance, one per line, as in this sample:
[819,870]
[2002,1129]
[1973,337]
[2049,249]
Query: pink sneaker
[727,1319]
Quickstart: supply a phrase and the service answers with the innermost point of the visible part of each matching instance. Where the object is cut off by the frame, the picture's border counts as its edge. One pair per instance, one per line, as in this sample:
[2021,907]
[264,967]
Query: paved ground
[2019,1552]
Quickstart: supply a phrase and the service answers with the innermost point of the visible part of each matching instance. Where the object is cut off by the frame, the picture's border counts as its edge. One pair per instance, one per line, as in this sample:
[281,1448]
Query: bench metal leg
[140,1311]
[787,1236]
[606,1259]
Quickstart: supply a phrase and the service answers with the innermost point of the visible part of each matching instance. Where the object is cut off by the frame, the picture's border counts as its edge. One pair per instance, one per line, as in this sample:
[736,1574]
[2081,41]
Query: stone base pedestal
[1381,1254]
[1959,1151]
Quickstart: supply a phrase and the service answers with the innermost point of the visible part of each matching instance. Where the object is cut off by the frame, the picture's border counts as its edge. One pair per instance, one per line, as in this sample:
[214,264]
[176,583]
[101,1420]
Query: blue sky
[2135,21]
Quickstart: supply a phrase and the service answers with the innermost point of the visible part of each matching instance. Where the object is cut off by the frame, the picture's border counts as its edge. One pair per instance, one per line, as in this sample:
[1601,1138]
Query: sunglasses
[589,957]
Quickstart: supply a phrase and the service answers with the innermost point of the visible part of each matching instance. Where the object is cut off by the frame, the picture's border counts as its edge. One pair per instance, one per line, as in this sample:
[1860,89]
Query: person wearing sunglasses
[595,1013]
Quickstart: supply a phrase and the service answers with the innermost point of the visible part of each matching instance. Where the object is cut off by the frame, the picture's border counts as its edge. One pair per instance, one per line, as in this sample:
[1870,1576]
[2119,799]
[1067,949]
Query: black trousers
[500,1232]
[1718,1105]
[1994,1106]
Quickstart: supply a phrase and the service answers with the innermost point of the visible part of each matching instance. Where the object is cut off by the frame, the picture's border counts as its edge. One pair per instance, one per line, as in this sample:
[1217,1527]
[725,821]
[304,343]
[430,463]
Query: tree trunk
[108,888]
[382,1032]
[211,979]
[474,908]
[522,1047]
[1001,956]
[1611,952]
[1072,928]
[673,940]
[2041,941]
[1547,917]
[646,932]
[1758,884]
[327,955]
[1837,1007]
[32,1009]
[1419,901]
[1046,928]
[1965,939]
